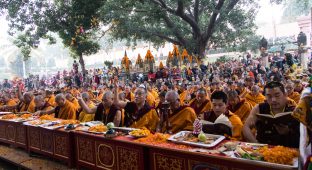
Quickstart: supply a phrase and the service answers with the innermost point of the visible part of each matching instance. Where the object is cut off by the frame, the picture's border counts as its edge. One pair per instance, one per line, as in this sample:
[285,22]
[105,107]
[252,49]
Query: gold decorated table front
[57,144]
[123,153]
[13,133]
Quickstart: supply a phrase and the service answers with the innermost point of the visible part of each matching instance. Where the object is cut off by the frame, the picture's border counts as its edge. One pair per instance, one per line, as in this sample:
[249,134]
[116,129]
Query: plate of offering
[201,140]
[139,133]
[100,129]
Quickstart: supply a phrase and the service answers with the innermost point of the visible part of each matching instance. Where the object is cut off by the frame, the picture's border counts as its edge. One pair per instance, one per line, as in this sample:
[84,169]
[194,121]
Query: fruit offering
[110,125]
[47,117]
[157,138]
[279,154]
[140,133]
[202,137]
[26,116]
[9,116]
[98,128]
[66,122]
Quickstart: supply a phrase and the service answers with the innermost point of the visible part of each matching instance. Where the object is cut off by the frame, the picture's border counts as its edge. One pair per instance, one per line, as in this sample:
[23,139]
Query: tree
[195,25]
[295,8]
[108,64]
[75,21]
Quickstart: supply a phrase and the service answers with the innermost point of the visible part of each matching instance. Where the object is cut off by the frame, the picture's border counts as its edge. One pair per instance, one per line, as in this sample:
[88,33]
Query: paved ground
[14,158]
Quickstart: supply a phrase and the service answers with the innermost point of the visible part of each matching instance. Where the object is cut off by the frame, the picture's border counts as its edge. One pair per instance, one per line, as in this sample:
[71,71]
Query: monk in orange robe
[128,94]
[230,125]
[50,98]
[201,103]
[239,106]
[180,117]
[255,97]
[137,114]
[41,104]
[64,109]
[291,93]
[26,104]
[72,100]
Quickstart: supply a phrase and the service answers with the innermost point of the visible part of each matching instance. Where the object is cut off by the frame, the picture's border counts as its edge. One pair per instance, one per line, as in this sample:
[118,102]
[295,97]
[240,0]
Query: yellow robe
[149,121]
[237,127]
[295,96]
[183,120]
[11,102]
[183,97]
[30,108]
[85,117]
[100,97]
[131,97]
[51,100]
[74,101]
[243,111]
[150,99]
[254,100]
[301,111]
[243,93]
[68,111]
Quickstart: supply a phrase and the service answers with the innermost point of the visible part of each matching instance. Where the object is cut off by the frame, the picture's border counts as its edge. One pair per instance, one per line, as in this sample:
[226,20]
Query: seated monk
[8,101]
[138,114]
[284,131]
[180,117]
[185,96]
[242,90]
[225,122]
[73,100]
[63,110]
[254,97]
[105,112]
[26,104]
[291,93]
[83,115]
[50,98]
[41,104]
[201,103]
[238,106]
[129,94]
[122,97]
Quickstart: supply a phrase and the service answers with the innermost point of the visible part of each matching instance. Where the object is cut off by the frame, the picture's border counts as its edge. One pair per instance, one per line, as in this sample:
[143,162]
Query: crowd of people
[236,97]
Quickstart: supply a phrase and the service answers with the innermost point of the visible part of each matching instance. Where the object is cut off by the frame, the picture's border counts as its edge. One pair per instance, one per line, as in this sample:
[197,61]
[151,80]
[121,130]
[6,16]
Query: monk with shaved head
[63,110]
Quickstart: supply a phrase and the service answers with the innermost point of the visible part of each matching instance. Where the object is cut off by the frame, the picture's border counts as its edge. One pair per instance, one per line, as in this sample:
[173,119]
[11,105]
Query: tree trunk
[200,49]
[83,68]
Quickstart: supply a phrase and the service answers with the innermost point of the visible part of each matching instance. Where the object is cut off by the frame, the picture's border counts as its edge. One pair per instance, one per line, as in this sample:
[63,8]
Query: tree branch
[180,13]
[173,28]
[189,10]
[212,21]
[196,10]
[158,34]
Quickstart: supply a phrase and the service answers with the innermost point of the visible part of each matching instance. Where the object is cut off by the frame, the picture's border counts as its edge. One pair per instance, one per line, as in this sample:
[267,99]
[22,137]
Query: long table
[122,153]
[94,151]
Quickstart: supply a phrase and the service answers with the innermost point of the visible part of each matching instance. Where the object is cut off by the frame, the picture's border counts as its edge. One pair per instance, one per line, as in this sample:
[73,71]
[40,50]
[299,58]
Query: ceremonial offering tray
[187,138]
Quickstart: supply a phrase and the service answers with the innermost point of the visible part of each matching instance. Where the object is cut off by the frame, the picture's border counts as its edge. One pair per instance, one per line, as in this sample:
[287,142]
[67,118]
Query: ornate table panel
[57,144]
[13,133]
[97,152]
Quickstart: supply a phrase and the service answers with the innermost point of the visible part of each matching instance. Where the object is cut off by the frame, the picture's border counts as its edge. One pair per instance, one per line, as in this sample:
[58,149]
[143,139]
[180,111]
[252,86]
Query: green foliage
[295,8]
[223,59]
[108,64]
[35,18]
[195,25]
